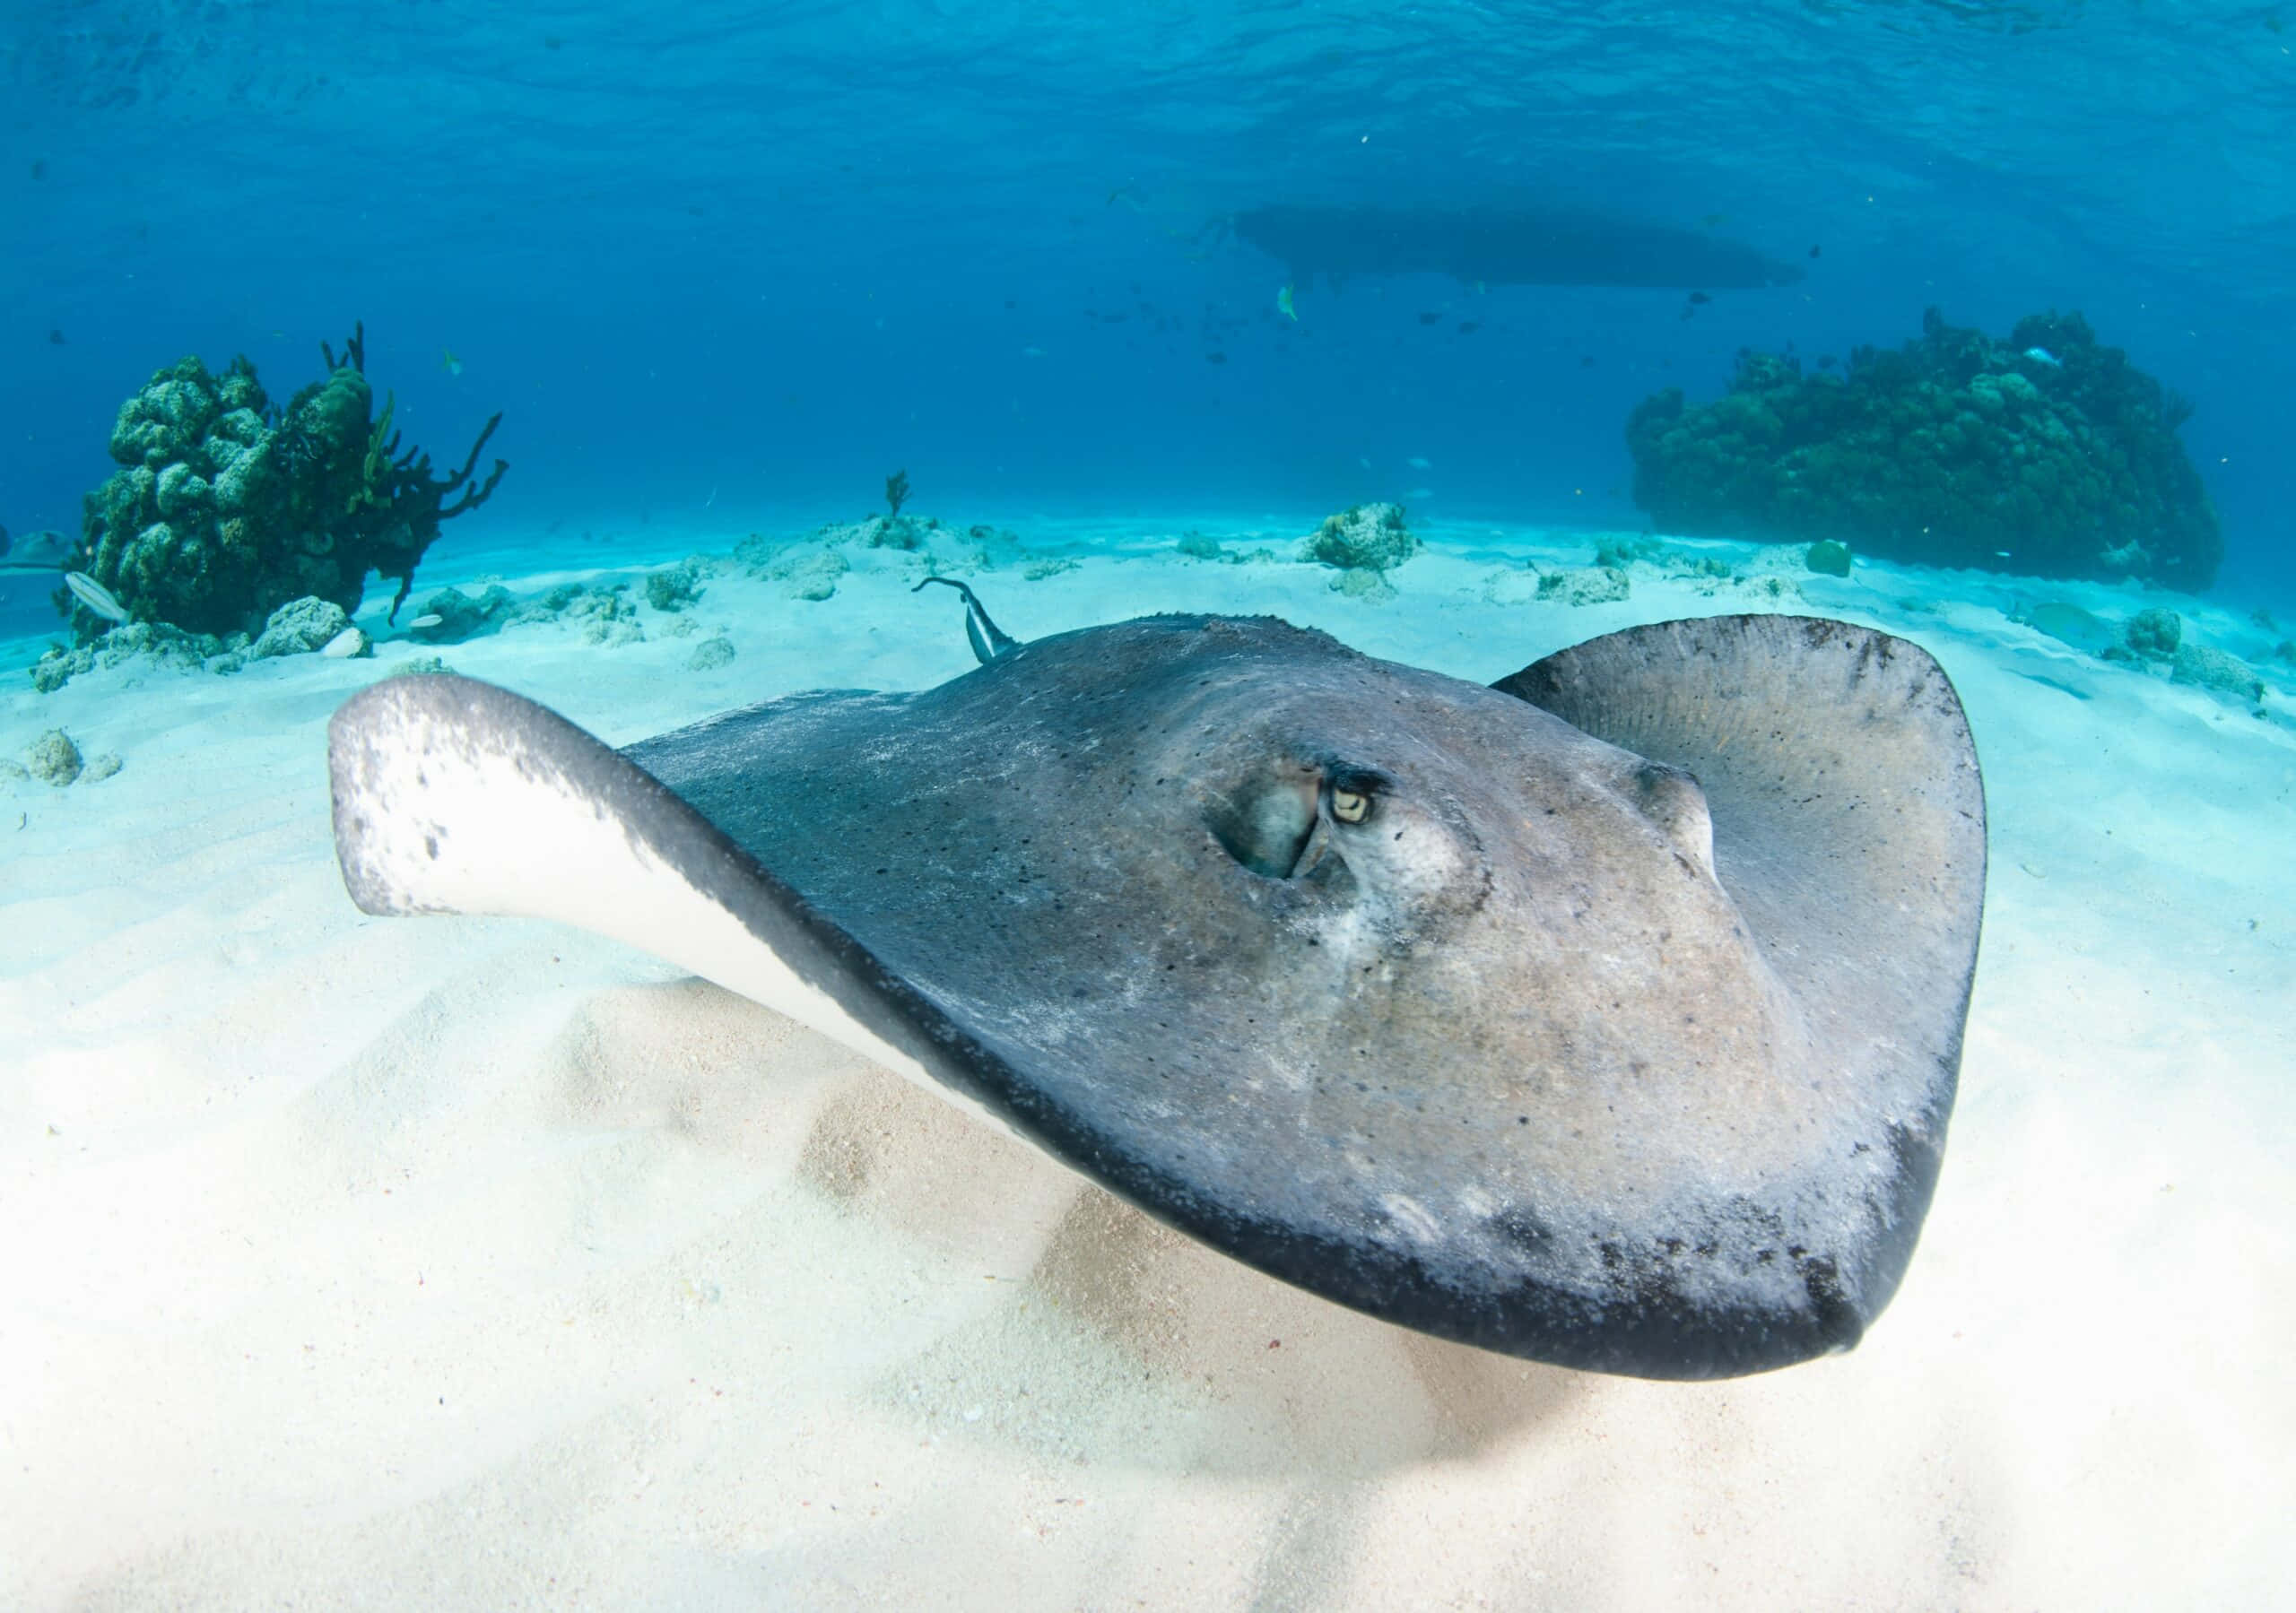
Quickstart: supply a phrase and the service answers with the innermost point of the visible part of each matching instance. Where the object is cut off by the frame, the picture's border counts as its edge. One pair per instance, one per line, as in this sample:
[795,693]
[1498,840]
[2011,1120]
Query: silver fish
[95,596]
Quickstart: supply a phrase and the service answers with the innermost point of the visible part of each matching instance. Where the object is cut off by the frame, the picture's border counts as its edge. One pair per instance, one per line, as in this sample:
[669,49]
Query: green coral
[2155,632]
[1828,557]
[226,507]
[1364,537]
[677,586]
[374,472]
[460,617]
[1955,449]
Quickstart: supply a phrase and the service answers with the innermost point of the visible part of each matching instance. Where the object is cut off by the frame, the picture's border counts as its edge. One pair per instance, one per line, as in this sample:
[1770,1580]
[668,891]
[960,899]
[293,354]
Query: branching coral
[227,506]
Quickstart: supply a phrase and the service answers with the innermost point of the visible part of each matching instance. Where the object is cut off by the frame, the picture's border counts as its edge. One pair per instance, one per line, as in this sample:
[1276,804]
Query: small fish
[1814,252]
[1032,352]
[95,596]
[54,337]
[2041,355]
[1429,318]
[1417,461]
[428,619]
[1714,221]
[454,365]
[1283,305]
[1216,358]
[1700,297]
[1480,288]
[1467,327]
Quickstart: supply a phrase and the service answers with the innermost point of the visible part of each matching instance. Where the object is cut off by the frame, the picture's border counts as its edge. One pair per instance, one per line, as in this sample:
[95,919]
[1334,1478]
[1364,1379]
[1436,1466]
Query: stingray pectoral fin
[454,796]
[1849,827]
[1847,809]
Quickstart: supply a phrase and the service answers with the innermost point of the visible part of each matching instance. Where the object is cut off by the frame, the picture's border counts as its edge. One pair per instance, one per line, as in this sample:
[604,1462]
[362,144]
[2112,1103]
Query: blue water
[723,263]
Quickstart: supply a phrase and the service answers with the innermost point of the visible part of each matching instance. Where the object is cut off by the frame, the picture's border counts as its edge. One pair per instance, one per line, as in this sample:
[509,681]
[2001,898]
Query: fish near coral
[95,596]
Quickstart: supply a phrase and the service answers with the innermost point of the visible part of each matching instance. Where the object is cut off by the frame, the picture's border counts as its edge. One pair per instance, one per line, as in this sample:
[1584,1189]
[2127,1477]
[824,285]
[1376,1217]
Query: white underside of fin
[490,804]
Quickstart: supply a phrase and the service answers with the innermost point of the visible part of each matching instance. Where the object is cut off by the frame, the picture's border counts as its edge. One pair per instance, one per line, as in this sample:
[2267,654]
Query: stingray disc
[1607,1017]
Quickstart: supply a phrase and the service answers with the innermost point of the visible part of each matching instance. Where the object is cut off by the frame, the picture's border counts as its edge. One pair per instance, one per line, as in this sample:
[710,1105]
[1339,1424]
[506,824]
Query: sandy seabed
[478,1263]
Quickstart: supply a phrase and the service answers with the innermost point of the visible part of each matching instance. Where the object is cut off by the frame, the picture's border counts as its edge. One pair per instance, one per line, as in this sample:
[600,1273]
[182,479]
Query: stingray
[44,551]
[1608,1016]
[1549,246]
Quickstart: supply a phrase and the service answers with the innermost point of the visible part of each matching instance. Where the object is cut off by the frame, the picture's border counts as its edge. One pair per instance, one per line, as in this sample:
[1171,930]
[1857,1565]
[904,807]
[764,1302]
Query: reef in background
[227,506]
[2046,454]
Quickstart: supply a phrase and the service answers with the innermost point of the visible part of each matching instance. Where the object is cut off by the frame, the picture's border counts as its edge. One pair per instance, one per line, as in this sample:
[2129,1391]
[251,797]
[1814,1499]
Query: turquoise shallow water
[475,1262]
[458,1257]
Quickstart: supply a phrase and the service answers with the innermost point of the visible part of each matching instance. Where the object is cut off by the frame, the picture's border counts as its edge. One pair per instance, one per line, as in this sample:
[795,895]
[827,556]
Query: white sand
[452,1264]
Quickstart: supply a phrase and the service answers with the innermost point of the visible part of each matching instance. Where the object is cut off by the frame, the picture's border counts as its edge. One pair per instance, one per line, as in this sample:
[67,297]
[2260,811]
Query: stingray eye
[1354,791]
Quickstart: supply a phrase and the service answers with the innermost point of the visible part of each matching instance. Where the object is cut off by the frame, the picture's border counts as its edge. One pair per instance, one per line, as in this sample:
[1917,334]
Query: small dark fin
[988,640]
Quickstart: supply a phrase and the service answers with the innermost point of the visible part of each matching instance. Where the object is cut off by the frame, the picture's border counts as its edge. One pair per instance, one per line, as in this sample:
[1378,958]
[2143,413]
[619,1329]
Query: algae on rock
[1364,537]
[227,506]
[2045,453]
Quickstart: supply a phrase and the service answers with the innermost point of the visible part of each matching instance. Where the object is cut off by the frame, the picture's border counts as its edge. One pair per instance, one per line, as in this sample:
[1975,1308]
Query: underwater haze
[777,252]
[1873,417]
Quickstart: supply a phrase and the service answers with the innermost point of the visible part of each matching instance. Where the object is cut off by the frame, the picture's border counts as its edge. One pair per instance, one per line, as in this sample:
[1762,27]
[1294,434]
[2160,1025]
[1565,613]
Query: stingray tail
[988,641]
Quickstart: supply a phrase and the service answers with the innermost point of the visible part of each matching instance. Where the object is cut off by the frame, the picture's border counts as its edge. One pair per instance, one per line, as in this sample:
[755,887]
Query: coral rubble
[1364,537]
[677,586]
[1597,586]
[227,506]
[2046,454]
[299,627]
[54,758]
